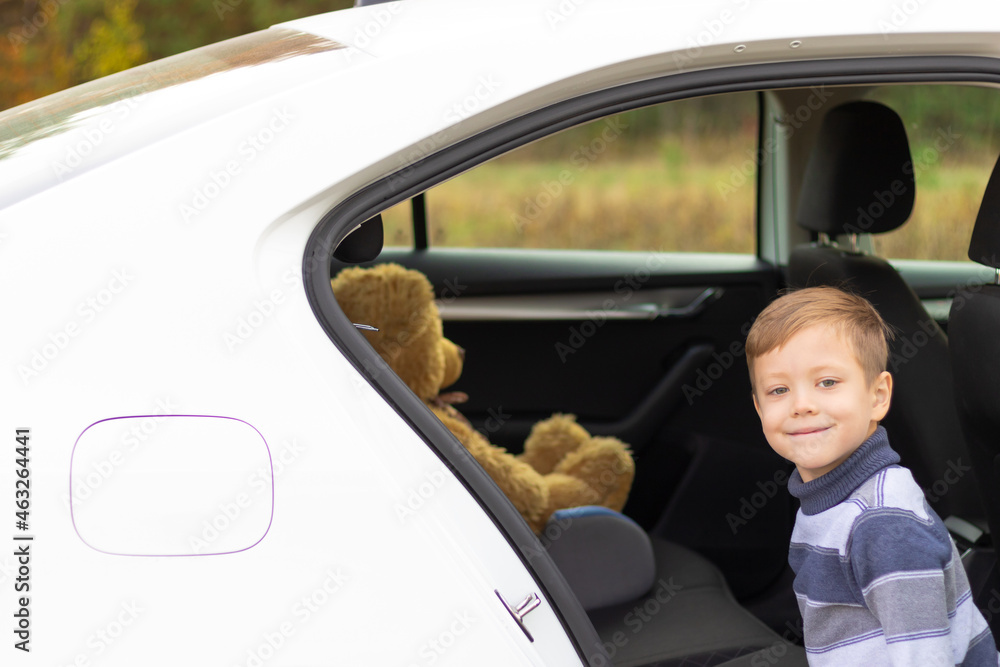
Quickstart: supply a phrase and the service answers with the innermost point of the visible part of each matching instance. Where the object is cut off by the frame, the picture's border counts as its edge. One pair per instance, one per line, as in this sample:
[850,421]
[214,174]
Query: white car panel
[162,276]
[97,340]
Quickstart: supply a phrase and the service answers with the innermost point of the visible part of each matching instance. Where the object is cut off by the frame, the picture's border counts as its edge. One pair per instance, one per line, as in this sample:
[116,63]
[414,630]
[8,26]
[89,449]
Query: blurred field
[640,205]
[945,210]
[674,199]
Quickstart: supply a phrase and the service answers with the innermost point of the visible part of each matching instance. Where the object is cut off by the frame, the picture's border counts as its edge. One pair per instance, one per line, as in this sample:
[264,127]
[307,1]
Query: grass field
[671,199]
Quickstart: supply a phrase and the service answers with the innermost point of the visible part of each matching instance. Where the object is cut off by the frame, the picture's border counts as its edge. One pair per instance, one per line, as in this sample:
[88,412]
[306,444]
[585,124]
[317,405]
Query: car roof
[529,28]
[402,72]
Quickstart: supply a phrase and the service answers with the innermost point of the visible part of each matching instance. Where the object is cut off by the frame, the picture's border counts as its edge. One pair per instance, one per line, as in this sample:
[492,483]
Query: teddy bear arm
[551,440]
[522,485]
[605,466]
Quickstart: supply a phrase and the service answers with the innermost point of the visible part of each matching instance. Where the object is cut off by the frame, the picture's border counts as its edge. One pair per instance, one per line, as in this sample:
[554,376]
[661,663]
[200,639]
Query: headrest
[985,244]
[859,178]
[363,244]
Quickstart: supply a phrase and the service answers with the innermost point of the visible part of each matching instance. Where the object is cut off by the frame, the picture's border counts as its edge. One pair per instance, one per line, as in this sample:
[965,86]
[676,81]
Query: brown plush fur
[562,465]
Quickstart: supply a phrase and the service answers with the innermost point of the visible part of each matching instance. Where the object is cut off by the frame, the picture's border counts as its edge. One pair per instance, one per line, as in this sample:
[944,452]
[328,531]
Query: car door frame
[432,169]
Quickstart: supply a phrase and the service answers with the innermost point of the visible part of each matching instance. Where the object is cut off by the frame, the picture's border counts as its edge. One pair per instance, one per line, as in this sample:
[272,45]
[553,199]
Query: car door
[612,271]
[644,343]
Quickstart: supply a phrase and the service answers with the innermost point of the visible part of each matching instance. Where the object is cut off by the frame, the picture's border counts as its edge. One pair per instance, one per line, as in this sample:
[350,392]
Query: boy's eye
[778,391]
[827,383]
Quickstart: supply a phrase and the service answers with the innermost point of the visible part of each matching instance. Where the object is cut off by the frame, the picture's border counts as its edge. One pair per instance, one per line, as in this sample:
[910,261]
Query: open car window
[675,177]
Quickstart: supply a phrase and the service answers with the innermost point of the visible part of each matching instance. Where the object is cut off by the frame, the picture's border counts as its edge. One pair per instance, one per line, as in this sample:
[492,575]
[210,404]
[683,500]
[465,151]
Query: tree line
[50,45]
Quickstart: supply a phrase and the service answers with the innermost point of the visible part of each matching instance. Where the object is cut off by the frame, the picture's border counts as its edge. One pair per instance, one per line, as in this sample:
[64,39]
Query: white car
[204,464]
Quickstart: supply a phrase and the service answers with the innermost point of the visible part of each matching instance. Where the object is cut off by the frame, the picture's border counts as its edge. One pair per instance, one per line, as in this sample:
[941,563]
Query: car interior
[645,342]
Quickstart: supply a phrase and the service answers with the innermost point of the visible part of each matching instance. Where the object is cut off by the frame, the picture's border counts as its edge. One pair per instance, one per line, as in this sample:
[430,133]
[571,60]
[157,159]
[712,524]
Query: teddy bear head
[410,337]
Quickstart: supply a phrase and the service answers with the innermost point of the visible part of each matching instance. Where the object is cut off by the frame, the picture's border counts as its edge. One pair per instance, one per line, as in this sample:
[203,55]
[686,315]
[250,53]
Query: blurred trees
[48,45]
[112,43]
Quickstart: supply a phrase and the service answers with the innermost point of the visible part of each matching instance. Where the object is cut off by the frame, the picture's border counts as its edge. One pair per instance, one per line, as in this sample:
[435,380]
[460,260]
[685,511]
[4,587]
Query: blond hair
[853,317]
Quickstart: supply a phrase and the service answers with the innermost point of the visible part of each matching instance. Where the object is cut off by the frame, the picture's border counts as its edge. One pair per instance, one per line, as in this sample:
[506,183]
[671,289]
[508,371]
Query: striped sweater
[877,577]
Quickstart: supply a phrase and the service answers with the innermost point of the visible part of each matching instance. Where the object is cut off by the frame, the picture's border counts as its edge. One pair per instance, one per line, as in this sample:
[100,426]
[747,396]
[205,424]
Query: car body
[165,238]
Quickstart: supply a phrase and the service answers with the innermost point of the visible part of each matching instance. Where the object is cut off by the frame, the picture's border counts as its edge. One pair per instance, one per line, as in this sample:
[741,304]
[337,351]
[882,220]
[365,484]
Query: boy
[877,577]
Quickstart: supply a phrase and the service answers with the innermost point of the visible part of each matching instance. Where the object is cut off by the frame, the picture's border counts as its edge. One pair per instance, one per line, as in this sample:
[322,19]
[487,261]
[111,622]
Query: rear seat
[686,618]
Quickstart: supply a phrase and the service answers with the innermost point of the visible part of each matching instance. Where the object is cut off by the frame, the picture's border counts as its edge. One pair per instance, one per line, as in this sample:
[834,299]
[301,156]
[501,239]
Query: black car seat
[859,179]
[974,325]
[655,603]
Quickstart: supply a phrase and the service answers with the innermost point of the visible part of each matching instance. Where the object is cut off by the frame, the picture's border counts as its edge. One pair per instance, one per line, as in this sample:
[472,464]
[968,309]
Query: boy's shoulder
[891,503]
[891,488]
[889,492]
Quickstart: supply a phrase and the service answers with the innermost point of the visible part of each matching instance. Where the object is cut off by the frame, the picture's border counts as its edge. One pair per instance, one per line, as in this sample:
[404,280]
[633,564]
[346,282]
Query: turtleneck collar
[832,488]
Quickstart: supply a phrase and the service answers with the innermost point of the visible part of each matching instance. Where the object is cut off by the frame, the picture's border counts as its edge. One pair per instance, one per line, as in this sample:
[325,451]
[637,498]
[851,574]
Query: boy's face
[814,404]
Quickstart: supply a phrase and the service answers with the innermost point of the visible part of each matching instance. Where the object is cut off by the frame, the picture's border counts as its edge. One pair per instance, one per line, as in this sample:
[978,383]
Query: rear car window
[673,177]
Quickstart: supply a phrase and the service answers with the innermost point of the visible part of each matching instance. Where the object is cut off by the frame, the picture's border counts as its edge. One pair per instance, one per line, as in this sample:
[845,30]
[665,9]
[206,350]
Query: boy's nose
[803,404]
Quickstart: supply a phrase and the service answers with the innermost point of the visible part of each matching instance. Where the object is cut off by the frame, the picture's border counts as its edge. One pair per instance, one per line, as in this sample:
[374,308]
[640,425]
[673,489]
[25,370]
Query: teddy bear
[562,464]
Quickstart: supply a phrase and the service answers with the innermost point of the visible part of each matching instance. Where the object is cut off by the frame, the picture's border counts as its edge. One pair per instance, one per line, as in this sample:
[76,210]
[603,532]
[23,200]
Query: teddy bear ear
[454,356]
[363,244]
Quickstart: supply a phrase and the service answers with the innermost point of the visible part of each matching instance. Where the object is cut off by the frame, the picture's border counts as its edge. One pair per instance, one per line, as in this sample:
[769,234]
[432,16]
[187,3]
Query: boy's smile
[814,403]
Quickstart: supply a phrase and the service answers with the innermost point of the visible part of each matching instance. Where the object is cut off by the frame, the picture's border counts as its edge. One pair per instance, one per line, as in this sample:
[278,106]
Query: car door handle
[657,302]
[518,613]
[651,311]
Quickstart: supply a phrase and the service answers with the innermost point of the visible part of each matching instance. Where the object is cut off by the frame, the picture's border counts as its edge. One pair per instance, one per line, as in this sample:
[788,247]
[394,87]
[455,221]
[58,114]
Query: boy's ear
[756,405]
[882,395]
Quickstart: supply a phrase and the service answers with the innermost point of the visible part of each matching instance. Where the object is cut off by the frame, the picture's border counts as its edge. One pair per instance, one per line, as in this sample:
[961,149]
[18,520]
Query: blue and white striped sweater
[877,577]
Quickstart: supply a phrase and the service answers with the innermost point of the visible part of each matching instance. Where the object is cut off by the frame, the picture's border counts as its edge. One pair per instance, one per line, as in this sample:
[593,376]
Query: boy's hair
[851,316]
